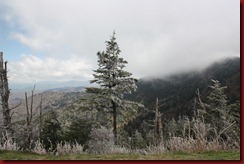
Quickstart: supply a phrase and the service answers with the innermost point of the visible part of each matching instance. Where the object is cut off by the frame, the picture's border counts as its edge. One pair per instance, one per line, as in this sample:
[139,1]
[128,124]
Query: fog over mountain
[58,40]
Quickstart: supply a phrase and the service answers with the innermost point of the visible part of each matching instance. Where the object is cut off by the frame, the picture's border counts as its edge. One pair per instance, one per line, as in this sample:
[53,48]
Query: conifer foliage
[114,82]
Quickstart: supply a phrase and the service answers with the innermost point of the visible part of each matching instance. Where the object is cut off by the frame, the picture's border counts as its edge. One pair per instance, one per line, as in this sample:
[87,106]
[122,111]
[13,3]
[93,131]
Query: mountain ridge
[178,90]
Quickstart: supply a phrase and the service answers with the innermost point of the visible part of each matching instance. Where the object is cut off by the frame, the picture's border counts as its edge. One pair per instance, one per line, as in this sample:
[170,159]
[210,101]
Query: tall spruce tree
[114,82]
[218,109]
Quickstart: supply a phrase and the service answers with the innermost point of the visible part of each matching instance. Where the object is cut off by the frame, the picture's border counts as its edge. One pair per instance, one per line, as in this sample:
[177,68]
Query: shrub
[102,142]
[7,143]
[67,148]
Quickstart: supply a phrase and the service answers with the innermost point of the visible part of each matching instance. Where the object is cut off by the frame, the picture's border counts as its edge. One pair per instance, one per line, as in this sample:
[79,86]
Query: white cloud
[31,69]
[157,37]
[35,43]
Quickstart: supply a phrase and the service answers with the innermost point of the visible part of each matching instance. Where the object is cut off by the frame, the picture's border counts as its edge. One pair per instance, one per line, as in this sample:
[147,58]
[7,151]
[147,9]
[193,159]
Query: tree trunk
[160,122]
[156,123]
[114,122]
[40,123]
[4,91]
[29,112]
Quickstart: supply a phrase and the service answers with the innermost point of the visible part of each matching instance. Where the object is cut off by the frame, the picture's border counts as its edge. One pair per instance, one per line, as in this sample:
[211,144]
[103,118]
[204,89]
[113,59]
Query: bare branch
[151,125]
[12,114]
[27,108]
[16,106]
[199,99]
[150,111]
[226,128]
[32,94]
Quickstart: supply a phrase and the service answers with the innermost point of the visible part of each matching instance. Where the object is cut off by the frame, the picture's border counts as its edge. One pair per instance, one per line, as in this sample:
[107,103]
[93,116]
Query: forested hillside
[178,91]
[48,100]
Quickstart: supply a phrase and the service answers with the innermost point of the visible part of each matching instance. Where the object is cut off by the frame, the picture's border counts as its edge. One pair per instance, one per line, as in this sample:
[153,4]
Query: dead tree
[4,91]
[40,123]
[157,124]
[29,116]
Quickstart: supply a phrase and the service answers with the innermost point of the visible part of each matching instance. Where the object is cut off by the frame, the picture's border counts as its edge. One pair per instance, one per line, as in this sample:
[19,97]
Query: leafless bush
[62,148]
[198,136]
[155,149]
[179,144]
[102,142]
[67,148]
[38,148]
[115,149]
[7,143]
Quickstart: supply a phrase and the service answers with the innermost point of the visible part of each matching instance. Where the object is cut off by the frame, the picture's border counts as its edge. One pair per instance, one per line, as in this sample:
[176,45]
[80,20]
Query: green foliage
[234,113]
[217,107]
[234,116]
[71,124]
[218,113]
[51,133]
[178,127]
[137,141]
[78,131]
[223,118]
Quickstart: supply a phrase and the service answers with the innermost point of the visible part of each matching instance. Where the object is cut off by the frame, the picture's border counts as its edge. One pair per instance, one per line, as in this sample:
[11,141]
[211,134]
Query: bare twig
[16,106]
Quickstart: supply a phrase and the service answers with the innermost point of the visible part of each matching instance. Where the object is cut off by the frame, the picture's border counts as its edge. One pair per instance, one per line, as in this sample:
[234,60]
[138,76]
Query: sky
[57,40]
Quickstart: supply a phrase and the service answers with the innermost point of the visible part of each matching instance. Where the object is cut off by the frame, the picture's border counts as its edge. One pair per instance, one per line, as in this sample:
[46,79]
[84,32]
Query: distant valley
[52,99]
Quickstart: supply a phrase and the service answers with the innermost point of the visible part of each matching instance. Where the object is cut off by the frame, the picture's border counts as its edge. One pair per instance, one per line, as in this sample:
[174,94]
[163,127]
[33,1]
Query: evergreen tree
[217,110]
[51,132]
[222,118]
[78,131]
[114,82]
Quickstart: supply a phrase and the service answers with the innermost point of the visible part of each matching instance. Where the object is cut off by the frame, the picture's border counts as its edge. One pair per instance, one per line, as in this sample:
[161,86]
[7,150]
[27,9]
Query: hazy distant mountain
[67,89]
[18,90]
[45,85]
